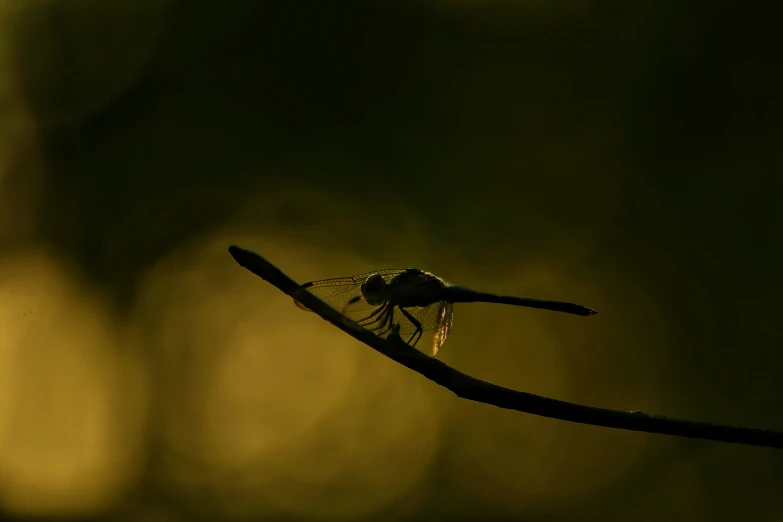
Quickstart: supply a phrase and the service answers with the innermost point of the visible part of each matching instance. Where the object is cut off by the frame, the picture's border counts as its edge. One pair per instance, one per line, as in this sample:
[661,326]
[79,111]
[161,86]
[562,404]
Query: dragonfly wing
[334,292]
[344,294]
[445,322]
[340,291]
[425,316]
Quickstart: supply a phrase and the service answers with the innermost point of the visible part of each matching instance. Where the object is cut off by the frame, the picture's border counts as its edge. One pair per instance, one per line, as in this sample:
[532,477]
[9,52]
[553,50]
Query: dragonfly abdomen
[461,294]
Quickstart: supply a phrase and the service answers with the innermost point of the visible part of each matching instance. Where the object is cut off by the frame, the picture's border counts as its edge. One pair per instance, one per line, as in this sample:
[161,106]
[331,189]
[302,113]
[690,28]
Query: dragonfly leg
[381,322]
[375,312]
[386,324]
[416,323]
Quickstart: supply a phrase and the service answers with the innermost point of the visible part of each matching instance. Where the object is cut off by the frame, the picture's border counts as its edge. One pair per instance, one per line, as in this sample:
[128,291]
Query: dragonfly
[408,302]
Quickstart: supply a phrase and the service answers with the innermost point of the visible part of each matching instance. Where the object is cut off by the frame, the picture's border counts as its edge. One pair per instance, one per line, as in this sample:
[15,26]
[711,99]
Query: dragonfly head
[373,289]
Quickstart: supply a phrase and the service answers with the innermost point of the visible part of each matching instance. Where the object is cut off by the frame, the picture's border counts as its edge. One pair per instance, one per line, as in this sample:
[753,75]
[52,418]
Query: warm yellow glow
[71,406]
[281,406]
[554,150]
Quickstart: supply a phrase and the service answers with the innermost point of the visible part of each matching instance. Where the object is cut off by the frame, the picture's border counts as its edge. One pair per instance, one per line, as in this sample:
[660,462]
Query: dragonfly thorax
[373,289]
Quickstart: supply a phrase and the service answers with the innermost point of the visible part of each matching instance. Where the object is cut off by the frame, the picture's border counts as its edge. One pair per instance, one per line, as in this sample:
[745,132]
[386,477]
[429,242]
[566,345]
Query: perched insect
[408,302]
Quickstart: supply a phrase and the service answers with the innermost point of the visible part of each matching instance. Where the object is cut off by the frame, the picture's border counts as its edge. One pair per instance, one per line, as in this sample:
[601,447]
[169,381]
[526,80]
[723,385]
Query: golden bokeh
[72,403]
[552,150]
[285,413]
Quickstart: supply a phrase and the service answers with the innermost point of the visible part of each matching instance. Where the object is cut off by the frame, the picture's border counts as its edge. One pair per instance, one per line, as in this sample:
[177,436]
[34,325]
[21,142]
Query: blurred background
[624,156]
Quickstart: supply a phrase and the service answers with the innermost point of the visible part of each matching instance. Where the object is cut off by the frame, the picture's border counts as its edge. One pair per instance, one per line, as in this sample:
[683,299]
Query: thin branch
[473,389]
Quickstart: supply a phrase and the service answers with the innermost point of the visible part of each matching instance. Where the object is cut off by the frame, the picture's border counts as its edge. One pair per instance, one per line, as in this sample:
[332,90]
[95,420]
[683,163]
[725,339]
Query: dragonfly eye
[373,286]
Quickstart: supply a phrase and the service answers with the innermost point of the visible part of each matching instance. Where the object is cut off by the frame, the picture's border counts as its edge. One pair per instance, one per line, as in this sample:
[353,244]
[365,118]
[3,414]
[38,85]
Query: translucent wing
[445,322]
[339,292]
[437,316]
[344,294]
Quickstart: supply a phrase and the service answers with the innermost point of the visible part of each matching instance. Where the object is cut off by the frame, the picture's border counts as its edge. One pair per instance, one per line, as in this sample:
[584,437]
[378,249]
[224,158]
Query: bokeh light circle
[72,394]
[280,412]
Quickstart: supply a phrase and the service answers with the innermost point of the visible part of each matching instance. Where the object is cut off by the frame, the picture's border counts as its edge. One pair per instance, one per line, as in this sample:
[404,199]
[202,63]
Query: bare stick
[467,387]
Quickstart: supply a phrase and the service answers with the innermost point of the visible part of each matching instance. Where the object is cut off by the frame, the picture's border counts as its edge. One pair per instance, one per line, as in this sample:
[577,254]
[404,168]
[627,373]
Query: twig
[473,389]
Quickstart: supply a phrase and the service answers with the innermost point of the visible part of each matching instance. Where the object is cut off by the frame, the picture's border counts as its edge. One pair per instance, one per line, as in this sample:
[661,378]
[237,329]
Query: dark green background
[638,143]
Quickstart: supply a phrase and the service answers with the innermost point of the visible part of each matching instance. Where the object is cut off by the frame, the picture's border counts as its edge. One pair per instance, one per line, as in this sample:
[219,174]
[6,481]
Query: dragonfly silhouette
[408,302]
